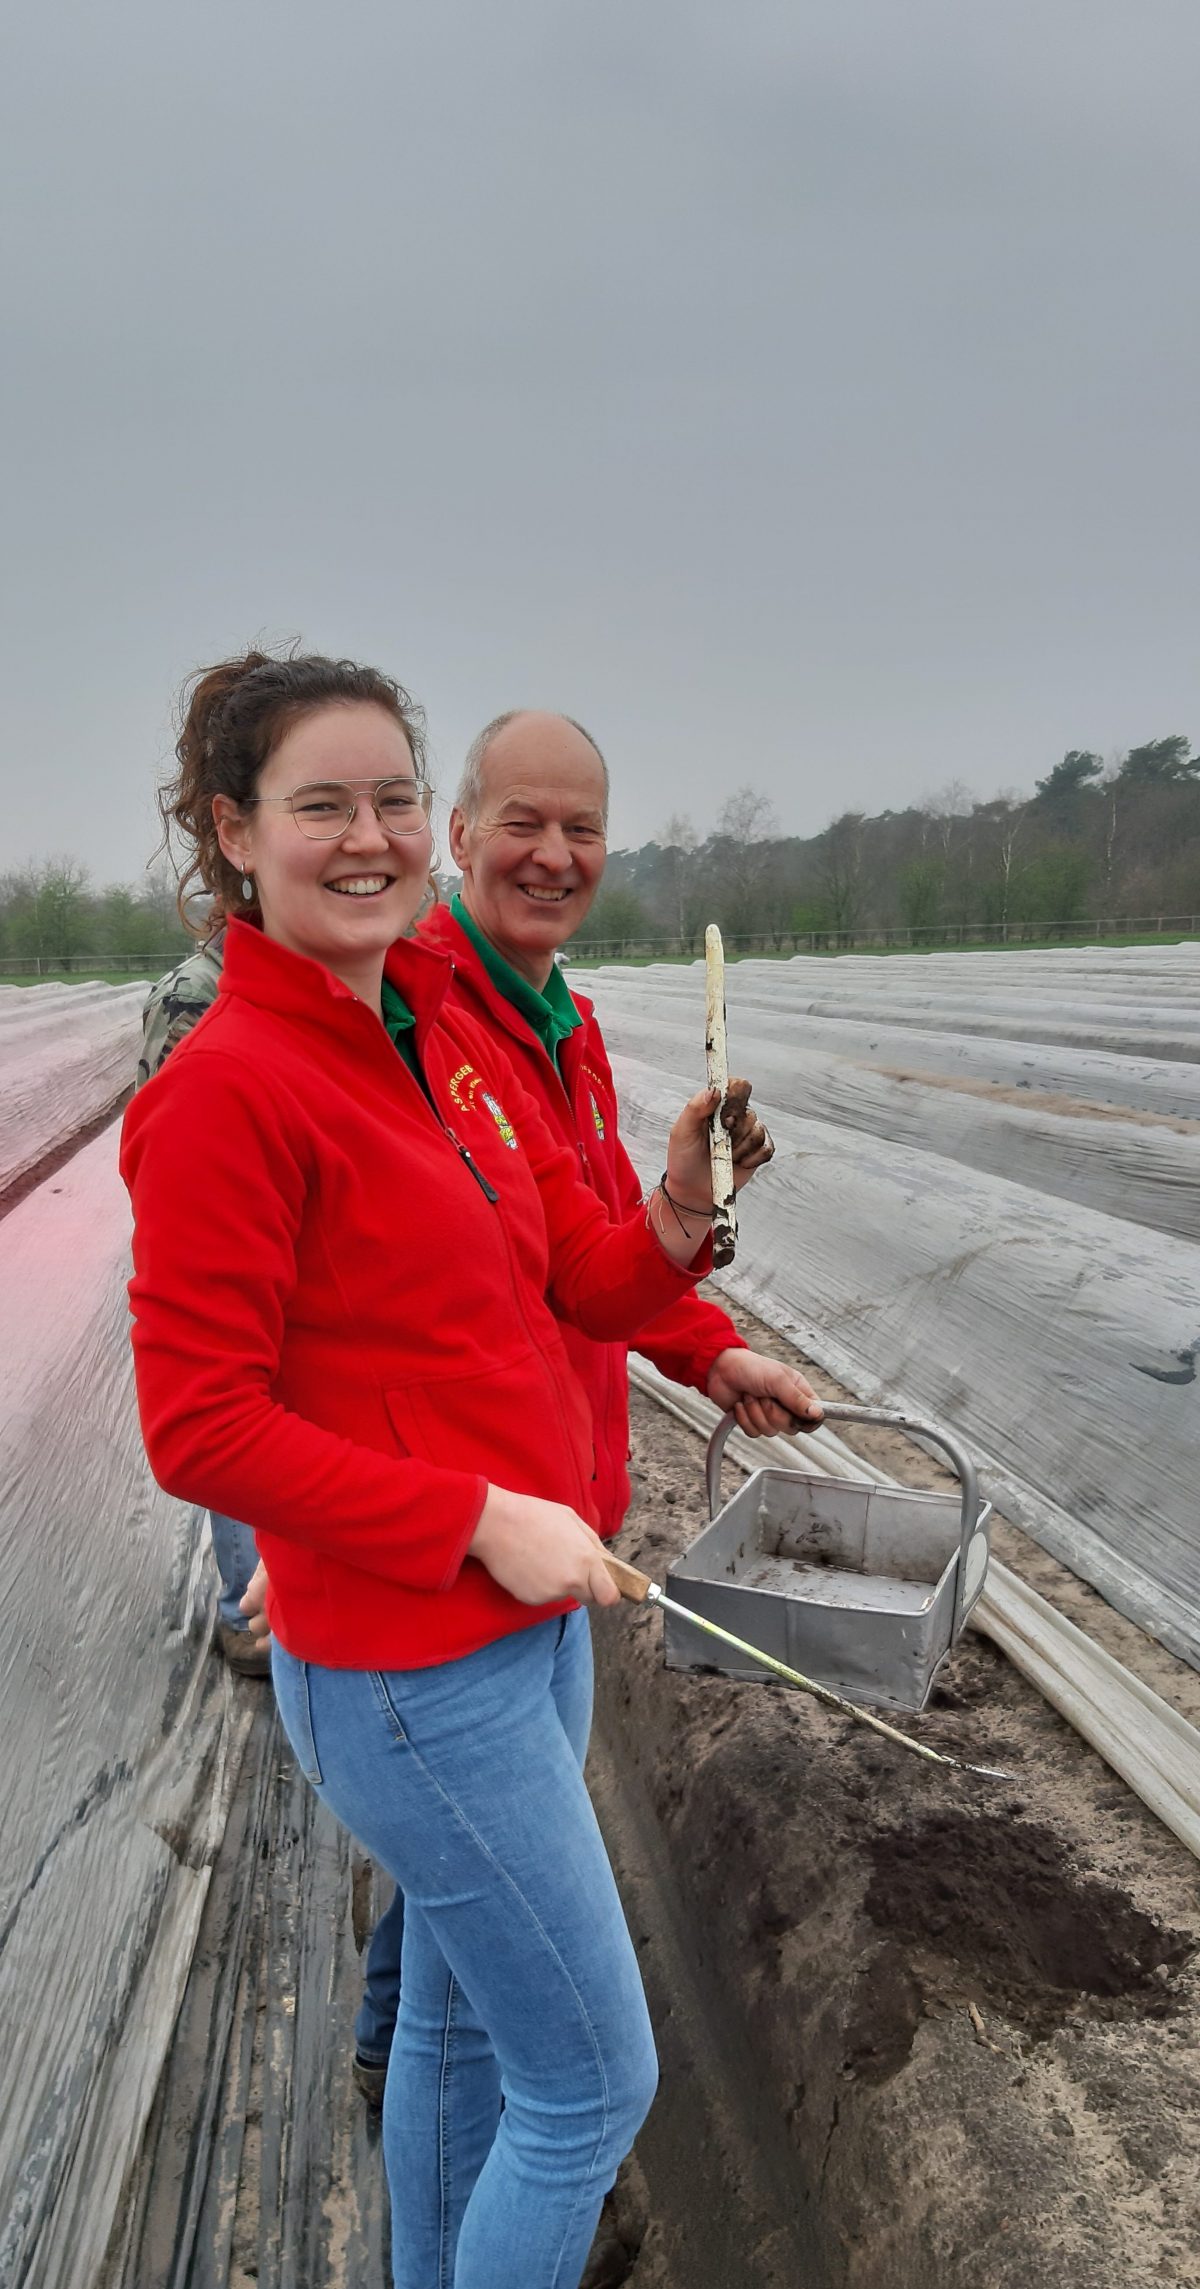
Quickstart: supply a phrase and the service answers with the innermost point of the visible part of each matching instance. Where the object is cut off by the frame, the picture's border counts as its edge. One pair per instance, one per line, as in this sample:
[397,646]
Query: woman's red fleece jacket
[579,1104]
[342,1338]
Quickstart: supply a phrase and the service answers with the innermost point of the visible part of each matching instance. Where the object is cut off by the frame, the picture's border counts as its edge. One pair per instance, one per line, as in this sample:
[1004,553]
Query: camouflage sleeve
[173,1007]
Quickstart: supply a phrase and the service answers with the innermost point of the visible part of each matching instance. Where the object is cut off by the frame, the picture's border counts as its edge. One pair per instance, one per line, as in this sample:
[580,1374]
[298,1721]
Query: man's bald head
[522,729]
[528,832]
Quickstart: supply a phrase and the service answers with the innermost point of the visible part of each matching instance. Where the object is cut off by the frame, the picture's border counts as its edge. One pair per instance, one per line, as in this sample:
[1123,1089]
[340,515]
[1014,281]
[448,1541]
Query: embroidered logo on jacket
[508,1134]
[463,1085]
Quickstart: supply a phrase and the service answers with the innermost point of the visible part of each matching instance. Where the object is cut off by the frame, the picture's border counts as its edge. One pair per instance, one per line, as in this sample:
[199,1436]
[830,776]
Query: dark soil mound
[994,1909]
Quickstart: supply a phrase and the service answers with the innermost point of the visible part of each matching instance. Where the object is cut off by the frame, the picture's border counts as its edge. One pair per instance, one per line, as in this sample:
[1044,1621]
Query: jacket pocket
[525,1425]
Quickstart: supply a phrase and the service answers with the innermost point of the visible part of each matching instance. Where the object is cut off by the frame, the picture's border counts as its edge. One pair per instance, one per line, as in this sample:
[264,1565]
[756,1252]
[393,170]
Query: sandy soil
[964,2019]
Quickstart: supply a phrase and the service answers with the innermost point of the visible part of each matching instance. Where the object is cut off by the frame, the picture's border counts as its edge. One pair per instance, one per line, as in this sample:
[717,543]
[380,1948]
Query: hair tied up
[231,719]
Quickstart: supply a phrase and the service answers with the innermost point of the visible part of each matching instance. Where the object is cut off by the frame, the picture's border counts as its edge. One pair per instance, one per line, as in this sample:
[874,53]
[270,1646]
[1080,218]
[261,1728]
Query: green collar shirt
[552,1015]
[401,1028]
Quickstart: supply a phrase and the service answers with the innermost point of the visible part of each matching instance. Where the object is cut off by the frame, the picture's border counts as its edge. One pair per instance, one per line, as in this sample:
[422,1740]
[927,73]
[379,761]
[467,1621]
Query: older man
[528,832]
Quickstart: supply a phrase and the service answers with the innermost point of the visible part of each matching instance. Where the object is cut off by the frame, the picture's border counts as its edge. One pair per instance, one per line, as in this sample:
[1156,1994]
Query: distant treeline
[50,913]
[1095,839]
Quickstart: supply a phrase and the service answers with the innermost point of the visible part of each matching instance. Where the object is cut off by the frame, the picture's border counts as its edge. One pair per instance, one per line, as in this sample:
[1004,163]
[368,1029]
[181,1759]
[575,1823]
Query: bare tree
[746,829]
[840,870]
[680,843]
[1003,819]
[157,895]
[1112,788]
[950,810]
[945,808]
[748,817]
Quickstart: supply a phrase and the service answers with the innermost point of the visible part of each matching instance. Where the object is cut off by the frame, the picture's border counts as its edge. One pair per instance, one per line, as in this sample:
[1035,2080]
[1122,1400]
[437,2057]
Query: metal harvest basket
[865,1588]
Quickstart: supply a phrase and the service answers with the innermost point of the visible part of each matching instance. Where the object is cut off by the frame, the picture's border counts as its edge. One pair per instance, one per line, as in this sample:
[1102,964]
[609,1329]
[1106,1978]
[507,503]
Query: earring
[247,886]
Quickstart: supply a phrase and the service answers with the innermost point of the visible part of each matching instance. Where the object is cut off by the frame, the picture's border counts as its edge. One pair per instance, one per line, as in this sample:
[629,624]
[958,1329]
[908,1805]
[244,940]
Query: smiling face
[532,857]
[341,902]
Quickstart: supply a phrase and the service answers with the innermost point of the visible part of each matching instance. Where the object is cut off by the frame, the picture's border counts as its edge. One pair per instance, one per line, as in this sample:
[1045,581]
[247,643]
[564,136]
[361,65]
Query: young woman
[346,1340]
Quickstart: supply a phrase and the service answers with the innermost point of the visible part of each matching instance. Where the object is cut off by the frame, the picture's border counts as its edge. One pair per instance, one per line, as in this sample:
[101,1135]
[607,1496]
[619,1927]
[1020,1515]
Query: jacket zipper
[425,1093]
[488,1190]
[490,1193]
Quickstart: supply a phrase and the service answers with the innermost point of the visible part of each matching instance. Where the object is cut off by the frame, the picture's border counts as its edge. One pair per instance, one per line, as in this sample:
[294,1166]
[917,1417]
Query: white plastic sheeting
[1100,1001]
[114,1723]
[1155,1749]
[1144,1168]
[1060,1338]
[870,1014]
[67,1054]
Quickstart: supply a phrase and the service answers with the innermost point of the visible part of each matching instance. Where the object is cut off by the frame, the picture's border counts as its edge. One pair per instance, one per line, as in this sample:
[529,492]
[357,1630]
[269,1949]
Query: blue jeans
[376,2021]
[237,1557]
[519,1978]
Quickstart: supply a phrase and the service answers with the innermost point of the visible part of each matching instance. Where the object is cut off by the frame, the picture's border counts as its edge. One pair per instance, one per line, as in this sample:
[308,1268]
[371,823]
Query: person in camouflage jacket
[172,1008]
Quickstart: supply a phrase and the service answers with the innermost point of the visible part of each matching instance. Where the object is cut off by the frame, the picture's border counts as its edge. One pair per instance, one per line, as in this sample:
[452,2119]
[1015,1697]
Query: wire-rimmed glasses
[326,808]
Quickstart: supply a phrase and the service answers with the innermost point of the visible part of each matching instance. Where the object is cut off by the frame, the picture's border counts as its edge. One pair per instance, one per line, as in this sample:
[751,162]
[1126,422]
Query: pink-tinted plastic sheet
[67,1055]
[113,1720]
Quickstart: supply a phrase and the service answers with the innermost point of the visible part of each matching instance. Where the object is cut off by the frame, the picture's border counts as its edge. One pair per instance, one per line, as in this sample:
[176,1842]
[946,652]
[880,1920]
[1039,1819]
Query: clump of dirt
[997,1904]
[888,2006]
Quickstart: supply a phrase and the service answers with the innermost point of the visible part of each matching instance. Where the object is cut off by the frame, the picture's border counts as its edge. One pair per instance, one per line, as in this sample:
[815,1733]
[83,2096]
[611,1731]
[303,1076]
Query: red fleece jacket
[581,1109]
[344,1339]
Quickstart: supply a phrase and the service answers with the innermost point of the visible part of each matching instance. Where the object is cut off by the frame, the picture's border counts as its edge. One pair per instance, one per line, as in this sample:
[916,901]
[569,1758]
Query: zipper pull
[488,1190]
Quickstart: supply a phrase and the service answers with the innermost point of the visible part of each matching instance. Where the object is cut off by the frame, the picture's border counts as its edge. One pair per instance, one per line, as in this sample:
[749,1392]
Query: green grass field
[584,960]
[92,977]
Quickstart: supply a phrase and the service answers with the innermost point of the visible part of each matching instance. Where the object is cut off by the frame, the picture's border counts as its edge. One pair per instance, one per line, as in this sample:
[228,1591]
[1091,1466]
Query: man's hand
[254,1602]
[765,1395]
[689,1167]
[751,1141]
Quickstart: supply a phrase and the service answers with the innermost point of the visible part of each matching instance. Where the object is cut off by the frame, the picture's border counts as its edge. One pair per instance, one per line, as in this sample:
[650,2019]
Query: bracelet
[655,1224]
[678,1211]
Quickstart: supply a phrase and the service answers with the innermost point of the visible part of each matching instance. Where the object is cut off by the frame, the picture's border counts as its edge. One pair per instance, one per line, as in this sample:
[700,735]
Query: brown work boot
[245,1654]
[621,2231]
[370,2076]
[610,2263]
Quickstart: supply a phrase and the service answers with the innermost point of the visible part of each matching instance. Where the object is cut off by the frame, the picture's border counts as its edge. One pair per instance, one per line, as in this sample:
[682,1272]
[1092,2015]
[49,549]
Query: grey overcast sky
[801,394]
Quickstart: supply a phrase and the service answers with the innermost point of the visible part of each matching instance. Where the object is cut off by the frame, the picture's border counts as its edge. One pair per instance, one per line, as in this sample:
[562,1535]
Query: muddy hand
[751,1141]
[764,1394]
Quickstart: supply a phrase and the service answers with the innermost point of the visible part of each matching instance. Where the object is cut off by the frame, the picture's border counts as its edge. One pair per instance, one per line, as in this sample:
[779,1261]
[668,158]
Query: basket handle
[837,1410]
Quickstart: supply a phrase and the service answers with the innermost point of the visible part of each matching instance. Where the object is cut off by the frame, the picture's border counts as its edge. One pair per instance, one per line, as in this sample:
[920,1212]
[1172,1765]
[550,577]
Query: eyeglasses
[327,808]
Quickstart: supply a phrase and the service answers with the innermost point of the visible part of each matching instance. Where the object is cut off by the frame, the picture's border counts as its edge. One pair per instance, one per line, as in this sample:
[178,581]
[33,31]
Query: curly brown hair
[232,718]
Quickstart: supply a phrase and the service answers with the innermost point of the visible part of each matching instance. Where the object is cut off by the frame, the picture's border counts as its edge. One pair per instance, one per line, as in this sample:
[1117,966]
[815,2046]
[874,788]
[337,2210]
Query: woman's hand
[540,1551]
[689,1172]
[254,1604]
